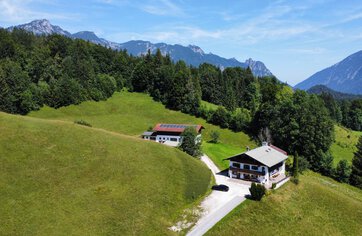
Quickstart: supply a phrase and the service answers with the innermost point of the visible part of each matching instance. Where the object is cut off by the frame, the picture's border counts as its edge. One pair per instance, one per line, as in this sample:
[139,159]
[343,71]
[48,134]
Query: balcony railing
[247,171]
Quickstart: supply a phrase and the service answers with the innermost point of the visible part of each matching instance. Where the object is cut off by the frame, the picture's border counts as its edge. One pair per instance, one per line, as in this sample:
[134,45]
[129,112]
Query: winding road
[219,204]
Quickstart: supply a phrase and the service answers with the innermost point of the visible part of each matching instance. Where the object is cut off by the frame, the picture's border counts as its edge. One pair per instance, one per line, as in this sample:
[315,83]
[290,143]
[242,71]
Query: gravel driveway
[219,204]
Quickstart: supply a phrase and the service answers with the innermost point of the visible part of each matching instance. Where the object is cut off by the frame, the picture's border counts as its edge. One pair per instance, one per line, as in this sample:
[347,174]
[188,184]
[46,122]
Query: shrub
[221,117]
[214,137]
[82,122]
[257,191]
[274,185]
[295,180]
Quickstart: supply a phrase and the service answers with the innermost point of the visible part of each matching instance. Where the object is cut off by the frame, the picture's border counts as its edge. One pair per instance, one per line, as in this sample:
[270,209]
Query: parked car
[220,187]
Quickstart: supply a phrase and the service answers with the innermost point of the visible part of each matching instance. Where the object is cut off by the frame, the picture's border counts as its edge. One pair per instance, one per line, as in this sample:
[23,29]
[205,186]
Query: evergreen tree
[343,171]
[356,174]
[296,166]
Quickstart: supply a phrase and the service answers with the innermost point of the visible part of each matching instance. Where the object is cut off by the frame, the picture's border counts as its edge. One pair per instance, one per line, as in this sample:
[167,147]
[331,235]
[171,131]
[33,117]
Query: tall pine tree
[356,174]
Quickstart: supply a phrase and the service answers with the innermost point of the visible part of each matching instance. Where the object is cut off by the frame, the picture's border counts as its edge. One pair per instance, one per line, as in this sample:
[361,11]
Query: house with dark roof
[170,134]
[265,164]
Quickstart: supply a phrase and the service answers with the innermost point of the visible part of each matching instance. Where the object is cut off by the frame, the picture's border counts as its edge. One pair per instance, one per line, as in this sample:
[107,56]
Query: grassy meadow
[60,178]
[125,184]
[345,144]
[317,206]
[133,113]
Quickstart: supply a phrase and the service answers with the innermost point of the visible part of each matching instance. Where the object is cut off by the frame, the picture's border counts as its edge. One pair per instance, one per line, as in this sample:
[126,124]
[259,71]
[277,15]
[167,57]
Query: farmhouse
[170,133]
[265,164]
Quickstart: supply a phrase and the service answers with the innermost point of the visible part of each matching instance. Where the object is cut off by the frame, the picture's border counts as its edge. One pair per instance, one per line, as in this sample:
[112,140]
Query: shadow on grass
[224,172]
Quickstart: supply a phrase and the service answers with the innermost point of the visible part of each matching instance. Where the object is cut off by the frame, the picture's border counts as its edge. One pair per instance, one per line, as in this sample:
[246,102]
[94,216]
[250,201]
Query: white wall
[282,171]
[261,178]
[160,138]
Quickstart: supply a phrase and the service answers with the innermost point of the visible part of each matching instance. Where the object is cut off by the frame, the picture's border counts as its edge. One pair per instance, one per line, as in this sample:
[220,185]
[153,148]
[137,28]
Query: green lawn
[133,113]
[209,105]
[317,206]
[219,152]
[59,178]
[345,144]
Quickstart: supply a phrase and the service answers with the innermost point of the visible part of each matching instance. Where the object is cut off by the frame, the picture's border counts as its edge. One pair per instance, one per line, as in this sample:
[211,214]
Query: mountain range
[319,89]
[191,54]
[345,76]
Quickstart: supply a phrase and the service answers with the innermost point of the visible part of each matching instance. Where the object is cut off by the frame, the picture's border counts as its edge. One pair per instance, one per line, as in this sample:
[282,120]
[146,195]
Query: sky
[294,39]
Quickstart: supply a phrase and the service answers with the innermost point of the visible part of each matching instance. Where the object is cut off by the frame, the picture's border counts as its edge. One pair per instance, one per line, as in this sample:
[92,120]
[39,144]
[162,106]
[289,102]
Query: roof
[266,155]
[147,133]
[179,128]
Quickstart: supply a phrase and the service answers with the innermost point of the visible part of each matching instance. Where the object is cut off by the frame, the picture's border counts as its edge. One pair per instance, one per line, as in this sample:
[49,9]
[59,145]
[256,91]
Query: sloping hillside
[344,145]
[134,113]
[57,177]
[317,206]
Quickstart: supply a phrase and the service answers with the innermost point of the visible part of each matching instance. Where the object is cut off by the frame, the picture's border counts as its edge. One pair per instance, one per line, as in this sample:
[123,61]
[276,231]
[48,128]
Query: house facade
[170,133]
[265,164]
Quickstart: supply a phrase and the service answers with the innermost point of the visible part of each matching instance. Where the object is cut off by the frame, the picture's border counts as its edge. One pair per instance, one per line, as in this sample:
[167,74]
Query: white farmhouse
[265,164]
[170,134]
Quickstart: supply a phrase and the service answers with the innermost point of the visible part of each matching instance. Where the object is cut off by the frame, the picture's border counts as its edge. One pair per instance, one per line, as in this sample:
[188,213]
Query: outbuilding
[171,133]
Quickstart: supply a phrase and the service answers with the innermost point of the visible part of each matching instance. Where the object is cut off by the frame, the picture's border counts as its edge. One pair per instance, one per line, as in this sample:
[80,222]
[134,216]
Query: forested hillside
[57,71]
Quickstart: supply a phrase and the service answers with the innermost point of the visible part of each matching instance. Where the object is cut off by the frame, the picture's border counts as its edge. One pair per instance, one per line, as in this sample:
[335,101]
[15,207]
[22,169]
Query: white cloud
[163,8]
[19,11]
[308,51]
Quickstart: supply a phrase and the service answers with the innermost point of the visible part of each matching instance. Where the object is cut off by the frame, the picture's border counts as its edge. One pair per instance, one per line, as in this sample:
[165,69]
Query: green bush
[215,135]
[82,122]
[295,180]
[274,185]
[257,191]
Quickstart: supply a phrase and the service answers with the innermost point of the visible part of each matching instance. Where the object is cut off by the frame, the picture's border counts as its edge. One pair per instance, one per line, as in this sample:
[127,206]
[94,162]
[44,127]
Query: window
[254,168]
[174,139]
[237,165]
[246,167]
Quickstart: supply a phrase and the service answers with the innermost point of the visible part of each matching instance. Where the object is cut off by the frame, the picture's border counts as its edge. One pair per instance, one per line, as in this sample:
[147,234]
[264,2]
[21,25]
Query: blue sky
[293,38]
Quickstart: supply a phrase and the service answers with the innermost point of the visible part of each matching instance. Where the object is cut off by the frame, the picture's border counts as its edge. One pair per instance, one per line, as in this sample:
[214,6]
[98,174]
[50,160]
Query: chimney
[264,143]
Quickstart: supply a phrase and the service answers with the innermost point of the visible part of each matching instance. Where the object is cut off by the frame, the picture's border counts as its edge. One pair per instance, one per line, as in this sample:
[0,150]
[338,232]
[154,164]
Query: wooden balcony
[246,171]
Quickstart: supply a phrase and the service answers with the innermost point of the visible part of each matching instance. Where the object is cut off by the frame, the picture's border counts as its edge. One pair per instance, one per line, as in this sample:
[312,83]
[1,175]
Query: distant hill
[345,76]
[191,54]
[318,89]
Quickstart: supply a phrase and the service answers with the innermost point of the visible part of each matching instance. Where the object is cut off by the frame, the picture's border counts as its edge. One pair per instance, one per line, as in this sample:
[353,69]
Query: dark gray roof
[147,133]
[266,155]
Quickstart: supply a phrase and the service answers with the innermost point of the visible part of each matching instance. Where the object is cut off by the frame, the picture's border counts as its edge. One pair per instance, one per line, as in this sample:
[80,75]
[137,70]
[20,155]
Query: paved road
[219,204]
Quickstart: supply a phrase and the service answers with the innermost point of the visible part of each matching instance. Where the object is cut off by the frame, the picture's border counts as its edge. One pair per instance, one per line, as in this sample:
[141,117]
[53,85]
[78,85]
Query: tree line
[58,71]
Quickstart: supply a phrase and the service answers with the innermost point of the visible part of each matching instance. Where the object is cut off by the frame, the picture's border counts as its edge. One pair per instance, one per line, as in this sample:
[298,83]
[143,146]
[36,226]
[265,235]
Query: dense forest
[58,71]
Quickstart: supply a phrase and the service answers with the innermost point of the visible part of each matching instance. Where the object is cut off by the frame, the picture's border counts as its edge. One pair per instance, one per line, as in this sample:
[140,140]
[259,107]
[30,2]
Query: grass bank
[57,177]
[344,145]
[133,113]
[317,206]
